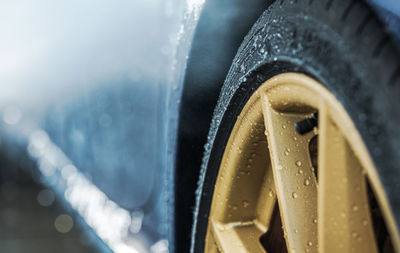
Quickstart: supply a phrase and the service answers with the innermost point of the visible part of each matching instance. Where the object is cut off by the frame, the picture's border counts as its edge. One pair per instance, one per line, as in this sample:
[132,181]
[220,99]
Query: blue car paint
[389,13]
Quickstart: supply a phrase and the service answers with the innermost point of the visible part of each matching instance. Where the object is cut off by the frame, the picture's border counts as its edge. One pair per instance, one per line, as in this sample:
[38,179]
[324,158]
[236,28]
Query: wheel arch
[227,22]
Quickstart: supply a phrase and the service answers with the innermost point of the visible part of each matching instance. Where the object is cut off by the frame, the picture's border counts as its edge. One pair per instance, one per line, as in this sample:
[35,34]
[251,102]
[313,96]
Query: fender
[220,30]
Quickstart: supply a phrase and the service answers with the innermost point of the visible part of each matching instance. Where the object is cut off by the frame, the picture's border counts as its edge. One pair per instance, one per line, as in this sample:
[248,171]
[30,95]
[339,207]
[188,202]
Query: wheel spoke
[344,218]
[241,213]
[294,178]
[211,246]
[234,237]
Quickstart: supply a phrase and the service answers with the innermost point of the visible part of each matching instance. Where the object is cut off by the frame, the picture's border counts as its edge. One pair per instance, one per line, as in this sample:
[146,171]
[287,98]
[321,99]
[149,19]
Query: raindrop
[284,126]
[220,226]
[298,163]
[245,203]
[354,234]
[355,208]
[306,182]
[242,68]
[294,195]
[271,193]
[315,221]
[365,222]
[309,243]
[234,207]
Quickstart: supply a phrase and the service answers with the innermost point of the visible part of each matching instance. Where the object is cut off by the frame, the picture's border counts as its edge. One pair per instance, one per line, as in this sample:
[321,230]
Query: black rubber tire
[342,45]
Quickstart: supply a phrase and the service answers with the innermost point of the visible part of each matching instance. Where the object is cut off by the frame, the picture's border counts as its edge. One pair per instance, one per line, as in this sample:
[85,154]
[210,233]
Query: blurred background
[85,101]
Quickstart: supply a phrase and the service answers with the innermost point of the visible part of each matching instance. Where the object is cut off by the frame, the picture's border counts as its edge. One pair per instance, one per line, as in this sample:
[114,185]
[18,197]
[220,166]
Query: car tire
[341,44]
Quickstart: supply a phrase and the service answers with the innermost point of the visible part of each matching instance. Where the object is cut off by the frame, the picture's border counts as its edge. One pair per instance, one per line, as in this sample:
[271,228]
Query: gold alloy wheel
[323,181]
